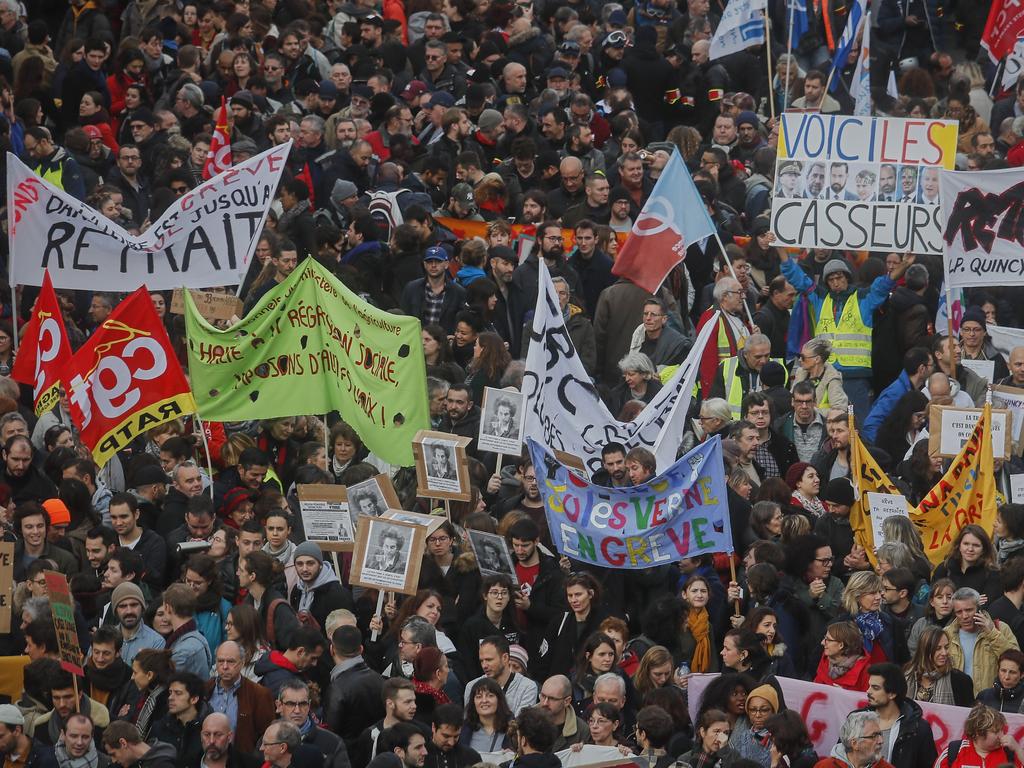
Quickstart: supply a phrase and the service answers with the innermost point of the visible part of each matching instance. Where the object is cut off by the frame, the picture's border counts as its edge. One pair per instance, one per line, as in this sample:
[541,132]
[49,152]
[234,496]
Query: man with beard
[100,543]
[613,472]
[128,605]
[219,749]
[539,578]
[838,175]
[911,744]
[462,418]
[246,118]
[25,481]
[48,727]
[124,519]
[107,675]
[525,279]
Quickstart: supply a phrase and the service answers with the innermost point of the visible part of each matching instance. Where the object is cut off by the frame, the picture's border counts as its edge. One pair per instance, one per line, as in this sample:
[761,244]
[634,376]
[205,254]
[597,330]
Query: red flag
[125,379]
[1005,23]
[44,353]
[218,159]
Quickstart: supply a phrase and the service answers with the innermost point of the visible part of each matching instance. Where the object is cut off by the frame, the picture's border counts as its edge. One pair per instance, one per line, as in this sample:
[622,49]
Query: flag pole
[728,262]
[206,449]
[949,328]
[768,59]
[14,312]
[789,61]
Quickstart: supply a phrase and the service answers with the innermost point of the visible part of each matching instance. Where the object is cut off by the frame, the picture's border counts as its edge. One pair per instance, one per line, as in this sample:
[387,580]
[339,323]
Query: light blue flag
[857,13]
[798,22]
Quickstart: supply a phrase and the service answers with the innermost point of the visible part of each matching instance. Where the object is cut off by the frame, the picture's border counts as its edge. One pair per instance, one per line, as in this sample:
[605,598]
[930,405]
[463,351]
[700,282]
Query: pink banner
[824,709]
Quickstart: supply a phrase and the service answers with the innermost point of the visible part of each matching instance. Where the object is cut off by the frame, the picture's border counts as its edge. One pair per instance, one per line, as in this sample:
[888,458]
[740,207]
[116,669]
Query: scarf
[439,697]
[940,692]
[814,506]
[287,217]
[89,760]
[109,679]
[870,625]
[699,625]
[1008,548]
[285,554]
[841,665]
[145,712]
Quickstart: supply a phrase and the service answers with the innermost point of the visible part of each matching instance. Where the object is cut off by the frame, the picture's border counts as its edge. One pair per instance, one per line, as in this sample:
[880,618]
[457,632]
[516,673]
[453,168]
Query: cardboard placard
[502,422]
[492,555]
[882,506]
[950,427]
[6,585]
[325,517]
[1017,489]
[388,555]
[63,610]
[986,369]
[441,468]
[1011,398]
[371,498]
[430,522]
[211,305]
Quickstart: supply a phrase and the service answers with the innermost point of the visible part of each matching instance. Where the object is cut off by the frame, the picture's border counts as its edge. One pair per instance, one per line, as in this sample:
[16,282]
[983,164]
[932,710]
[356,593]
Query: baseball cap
[554,72]
[463,193]
[441,99]
[374,19]
[436,252]
[414,89]
[150,475]
[569,48]
[328,90]
[502,252]
[305,87]
[617,19]
[363,91]
[142,115]
[92,132]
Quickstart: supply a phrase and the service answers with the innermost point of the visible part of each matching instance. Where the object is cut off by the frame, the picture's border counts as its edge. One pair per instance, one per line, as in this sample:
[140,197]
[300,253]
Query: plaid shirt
[432,303]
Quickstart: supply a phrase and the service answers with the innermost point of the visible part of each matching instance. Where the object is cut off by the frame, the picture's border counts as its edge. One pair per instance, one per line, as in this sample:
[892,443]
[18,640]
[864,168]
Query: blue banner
[683,512]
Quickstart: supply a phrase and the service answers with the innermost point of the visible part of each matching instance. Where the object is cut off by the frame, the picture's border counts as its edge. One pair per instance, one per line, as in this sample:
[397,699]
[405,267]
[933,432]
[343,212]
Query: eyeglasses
[872,736]
[439,539]
[295,704]
[760,710]
[824,560]
[497,593]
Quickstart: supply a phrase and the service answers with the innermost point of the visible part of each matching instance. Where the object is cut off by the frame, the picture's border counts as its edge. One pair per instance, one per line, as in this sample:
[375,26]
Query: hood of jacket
[159,751]
[325,577]
[902,299]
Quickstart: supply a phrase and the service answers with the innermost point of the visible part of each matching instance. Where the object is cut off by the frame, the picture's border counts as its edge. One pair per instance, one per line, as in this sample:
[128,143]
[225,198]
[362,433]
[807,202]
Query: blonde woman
[862,600]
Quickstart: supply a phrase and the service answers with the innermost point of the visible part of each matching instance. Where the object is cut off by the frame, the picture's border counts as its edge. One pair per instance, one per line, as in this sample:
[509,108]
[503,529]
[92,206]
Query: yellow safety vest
[851,339]
[734,384]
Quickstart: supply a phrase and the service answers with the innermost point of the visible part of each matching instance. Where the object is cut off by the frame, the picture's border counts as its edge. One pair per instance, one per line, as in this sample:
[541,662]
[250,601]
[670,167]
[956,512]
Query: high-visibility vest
[851,339]
[734,384]
[54,174]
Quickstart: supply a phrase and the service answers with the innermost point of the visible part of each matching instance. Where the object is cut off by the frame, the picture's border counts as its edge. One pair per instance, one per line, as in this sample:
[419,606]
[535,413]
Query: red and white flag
[1005,24]
[218,159]
[44,353]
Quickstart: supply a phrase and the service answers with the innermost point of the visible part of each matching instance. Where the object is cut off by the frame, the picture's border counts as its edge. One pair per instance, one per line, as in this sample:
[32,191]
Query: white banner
[824,708]
[204,239]
[860,183]
[564,411]
[981,242]
[1013,65]
[742,26]
[1005,338]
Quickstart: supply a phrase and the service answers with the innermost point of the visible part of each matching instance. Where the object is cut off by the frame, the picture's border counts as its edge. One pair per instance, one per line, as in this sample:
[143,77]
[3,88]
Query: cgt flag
[1004,25]
[125,379]
[966,494]
[218,159]
[44,354]
[867,477]
[673,217]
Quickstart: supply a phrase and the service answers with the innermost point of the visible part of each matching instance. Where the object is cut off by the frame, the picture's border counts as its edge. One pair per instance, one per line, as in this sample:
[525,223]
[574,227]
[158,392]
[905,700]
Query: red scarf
[440,697]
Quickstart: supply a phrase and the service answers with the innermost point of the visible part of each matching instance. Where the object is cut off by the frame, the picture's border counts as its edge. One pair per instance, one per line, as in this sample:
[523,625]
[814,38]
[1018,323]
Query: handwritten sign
[212,306]
[6,585]
[950,427]
[63,610]
[883,506]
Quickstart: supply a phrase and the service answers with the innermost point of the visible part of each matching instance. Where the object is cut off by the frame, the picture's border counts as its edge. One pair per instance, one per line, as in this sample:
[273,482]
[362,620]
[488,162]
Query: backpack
[271,610]
[386,212]
[953,749]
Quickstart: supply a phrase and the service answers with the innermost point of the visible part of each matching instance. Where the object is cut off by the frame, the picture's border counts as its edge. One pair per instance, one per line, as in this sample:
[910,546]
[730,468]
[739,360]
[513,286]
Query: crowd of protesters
[430,140]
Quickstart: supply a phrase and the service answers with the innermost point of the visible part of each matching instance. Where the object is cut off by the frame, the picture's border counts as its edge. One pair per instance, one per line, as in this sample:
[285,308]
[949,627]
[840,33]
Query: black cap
[502,252]
[150,475]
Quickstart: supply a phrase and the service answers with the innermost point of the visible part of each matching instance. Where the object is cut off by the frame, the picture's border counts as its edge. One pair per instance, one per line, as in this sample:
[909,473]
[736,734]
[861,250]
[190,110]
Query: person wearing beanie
[834,528]
[975,343]
[128,605]
[620,217]
[845,315]
[750,738]
[318,590]
[803,479]
[14,741]
[748,137]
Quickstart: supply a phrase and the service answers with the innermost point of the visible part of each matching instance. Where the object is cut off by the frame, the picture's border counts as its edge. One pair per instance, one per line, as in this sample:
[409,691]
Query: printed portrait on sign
[442,469]
[789,179]
[501,429]
[814,183]
[908,184]
[865,182]
[929,182]
[839,182]
[492,555]
[388,552]
[388,555]
[887,183]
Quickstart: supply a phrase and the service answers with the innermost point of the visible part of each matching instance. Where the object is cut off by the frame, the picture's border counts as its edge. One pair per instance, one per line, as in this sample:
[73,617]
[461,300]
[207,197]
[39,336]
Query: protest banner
[824,708]
[679,513]
[6,585]
[1005,338]
[44,353]
[205,238]
[1005,23]
[981,238]
[466,229]
[564,410]
[1011,399]
[125,379]
[867,478]
[310,345]
[949,428]
[859,183]
[965,494]
[882,506]
[985,369]
[325,517]
[388,555]
[212,306]
[63,610]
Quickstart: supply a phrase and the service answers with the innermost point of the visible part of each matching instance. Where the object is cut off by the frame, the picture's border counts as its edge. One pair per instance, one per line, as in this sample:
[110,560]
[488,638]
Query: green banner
[311,346]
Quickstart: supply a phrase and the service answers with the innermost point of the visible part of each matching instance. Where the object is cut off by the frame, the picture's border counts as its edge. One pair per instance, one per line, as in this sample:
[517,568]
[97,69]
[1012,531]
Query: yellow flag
[966,494]
[867,477]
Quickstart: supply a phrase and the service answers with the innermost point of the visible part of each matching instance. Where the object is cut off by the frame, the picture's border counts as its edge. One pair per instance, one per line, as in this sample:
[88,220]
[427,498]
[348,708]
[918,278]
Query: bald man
[249,707]
[556,700]
[216,737]
[571,190]
[1016,377]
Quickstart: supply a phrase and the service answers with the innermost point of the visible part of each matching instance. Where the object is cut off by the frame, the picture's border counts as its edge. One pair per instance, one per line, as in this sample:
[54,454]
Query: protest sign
[125,379]
[441,468]
[564,410]
[501,428]
[981,238]
[1005,339]
[388,555]
[6,585]
[680,513]
[824,708]
[44,354]
[63,610]
[983,368]
[885,505]
[1011,399]
[325,517]
[867,478]
[1013,66]
[205,238]
[212,306]
[861,183]
[949,428]
[1017,489]
[310,345]
[965,494]
[430,522]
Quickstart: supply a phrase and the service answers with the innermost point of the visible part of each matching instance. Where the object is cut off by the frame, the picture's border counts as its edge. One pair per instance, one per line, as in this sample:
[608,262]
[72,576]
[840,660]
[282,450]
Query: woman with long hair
[243,626]
[490,359]
[930,675]
[7,350]
[429,674]
[920,473]
[938,613]
[764,623]
[899,431]
[655,671]
[697,642]
[151,672]
[972,563]
[1009,532]
[862,599]
[843,661]
[244,67]
[487,718]
[727,692]
[92,112]
[766,520]
[437,354]
[710,749]
[743,651]
[597,657]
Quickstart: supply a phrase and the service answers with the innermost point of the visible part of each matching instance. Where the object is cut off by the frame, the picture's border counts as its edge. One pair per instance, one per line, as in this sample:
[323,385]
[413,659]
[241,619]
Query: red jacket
[854,680]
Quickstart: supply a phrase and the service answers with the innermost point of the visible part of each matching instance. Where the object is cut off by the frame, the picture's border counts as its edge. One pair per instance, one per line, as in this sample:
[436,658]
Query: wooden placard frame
[412,545]
[424,442]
